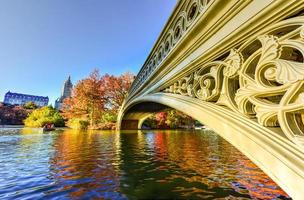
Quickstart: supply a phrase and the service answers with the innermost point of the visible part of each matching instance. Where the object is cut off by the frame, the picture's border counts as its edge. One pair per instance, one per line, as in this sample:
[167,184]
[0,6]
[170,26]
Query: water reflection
[87,164]
[131,165]
[179,164]
[208,159]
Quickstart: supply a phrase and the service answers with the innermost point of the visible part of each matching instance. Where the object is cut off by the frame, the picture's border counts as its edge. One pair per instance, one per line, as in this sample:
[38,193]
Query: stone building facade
[21,99]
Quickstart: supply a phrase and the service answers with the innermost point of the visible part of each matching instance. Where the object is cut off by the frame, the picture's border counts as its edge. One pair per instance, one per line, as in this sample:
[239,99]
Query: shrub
[30,105]
[106,126]
[42,116]
[108,117]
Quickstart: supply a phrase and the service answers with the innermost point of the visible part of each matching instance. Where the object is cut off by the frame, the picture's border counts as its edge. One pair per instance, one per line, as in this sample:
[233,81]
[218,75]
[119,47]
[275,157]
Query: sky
[42,42]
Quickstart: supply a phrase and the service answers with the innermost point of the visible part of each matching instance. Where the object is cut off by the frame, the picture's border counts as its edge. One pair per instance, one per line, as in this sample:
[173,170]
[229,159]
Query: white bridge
[238,67]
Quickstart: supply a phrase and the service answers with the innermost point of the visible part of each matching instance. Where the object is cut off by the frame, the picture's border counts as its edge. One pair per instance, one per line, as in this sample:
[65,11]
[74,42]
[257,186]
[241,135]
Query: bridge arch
[132,117]
[237,67]
[268,148]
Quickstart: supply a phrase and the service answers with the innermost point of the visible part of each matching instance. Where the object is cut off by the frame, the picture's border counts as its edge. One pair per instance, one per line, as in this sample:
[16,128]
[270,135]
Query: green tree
[43,116]
[109,116]
[30,105]
[177,119]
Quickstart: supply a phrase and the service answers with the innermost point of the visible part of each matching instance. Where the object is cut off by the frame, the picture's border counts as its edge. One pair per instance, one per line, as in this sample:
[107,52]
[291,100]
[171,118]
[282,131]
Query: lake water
[69,164]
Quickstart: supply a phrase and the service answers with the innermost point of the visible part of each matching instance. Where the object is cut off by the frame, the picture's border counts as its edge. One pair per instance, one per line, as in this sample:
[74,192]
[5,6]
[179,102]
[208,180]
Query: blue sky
[44,41]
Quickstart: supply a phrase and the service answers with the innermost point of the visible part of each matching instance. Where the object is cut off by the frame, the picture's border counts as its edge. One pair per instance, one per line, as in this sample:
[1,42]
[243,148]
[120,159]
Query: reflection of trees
[197,157]
[156,164]
[86,164]
[208,159]
[33,141]
[144,176]
[256,181]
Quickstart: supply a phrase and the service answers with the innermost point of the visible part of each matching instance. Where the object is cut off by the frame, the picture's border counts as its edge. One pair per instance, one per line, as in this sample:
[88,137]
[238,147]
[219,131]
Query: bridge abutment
[129,124]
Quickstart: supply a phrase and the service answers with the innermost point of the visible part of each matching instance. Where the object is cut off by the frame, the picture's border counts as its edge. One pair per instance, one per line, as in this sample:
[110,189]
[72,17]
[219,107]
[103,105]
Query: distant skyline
[43,42]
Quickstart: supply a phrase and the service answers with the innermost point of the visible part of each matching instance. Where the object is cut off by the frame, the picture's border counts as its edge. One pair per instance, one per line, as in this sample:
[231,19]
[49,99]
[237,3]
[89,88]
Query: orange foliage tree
[96,95]
[87,101]
[117,89]
[169,118]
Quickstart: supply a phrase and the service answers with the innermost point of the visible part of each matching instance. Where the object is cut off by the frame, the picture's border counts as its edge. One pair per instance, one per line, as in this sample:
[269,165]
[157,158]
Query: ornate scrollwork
[263,79]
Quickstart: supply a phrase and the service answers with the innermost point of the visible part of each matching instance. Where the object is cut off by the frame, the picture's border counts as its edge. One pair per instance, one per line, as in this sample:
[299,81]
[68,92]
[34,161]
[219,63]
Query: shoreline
[12,126]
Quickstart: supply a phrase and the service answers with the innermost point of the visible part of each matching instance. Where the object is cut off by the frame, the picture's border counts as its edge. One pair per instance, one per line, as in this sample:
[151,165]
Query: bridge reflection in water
[133,164]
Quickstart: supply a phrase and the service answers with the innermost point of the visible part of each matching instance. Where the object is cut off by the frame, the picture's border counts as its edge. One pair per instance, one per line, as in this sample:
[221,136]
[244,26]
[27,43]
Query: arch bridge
[236,66]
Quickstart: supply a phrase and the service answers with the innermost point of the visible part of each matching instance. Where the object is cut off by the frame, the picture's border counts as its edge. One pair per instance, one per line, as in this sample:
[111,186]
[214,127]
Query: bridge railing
[184,16]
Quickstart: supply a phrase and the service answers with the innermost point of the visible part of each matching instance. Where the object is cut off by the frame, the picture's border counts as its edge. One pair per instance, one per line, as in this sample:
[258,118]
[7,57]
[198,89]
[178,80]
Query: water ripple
[129,165]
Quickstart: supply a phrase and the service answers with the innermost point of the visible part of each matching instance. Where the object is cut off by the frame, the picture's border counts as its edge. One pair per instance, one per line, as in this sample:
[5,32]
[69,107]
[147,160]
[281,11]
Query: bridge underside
[267,148]
[137,114]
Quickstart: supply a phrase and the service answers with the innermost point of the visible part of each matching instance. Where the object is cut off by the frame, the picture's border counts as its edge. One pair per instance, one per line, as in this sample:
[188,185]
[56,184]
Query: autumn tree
[161,119]
[87,101]
[97,99]
[117,88]
[169,118]
[12,114]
